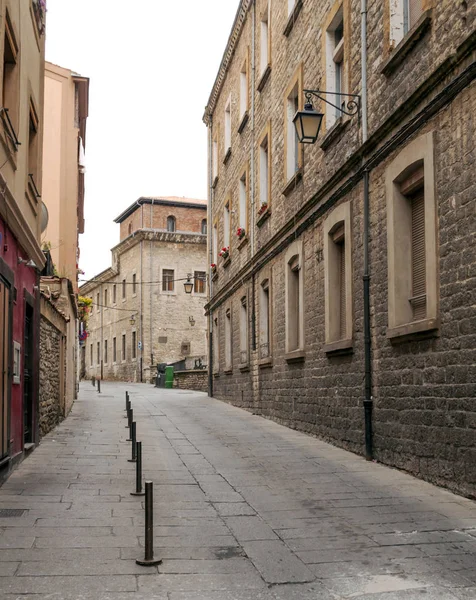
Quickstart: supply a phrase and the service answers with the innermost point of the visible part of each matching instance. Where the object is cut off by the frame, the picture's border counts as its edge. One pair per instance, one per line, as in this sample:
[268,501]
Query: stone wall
[196,379]
[423,386]
[53,330]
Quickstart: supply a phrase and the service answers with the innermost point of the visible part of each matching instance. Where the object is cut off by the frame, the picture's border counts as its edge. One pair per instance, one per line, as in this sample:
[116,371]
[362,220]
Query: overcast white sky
[151,65]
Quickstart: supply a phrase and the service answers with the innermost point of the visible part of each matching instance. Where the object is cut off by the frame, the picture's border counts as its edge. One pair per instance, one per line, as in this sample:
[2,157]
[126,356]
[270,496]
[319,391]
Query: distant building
[22,215]
[344,302]
[65,116]
[141,315]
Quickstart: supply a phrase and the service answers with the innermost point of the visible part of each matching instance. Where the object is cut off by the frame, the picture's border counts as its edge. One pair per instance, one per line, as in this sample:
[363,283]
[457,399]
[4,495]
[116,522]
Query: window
[114,350]
[226,224]
[265,168]
[185,348]
[265,40]
[123,346]
[199,278]
[98,348]
[171,223]
[129,229]
[291,4]
[334,53]
[243,199]
[98,300]
[33,152]
[114,294]
[293,152]
[227,129]
[294,302]
[10,87]
[105,298]
[411,240]
[228,341]
[105,352]
[134,283]
[123,289]
[204,227]
[91,357]
[216,347]
[16,362]
[168,280]
[244,90]
[215,157]
[404,14]
[338,278]
[134,345]
[244,331]
[215,243]
[264,318]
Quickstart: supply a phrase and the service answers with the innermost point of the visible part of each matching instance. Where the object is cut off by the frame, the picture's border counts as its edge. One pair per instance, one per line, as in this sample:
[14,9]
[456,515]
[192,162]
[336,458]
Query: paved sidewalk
[244,510]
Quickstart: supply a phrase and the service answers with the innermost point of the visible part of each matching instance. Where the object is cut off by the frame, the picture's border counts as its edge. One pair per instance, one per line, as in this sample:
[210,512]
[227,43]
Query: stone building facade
[344,306]
[141,315]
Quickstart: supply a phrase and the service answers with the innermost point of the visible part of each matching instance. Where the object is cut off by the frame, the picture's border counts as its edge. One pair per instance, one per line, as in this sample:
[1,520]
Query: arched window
[129,229]
[170,223]
[204,226]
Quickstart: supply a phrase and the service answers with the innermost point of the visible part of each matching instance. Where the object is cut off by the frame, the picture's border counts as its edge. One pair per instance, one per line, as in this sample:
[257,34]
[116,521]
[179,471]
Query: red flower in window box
[263,208]
[225,252]
[213,267]
[241,232]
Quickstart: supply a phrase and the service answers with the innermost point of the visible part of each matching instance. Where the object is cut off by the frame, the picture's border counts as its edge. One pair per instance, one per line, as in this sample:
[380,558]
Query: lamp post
[308,121]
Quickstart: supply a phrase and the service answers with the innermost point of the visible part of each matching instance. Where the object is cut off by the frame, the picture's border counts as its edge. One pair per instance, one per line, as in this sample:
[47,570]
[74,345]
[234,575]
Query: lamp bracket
[351,106]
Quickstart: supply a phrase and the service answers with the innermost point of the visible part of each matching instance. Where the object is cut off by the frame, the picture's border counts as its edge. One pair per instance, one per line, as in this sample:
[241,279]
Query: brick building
[141,315]
[342,300]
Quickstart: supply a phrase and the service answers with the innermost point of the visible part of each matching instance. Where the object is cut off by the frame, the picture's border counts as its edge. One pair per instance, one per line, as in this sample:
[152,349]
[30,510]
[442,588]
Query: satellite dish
[44,217]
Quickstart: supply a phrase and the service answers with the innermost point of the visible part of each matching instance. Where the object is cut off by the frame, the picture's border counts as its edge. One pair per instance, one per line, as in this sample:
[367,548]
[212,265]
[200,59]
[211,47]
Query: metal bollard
[131,418]
[149,560]
[128,408]
[133,438]
[127,400]
[99,386]
[138,491]
[93,381]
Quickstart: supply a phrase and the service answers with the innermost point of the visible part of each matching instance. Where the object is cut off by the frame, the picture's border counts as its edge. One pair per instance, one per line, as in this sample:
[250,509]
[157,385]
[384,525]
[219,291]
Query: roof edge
[143,200]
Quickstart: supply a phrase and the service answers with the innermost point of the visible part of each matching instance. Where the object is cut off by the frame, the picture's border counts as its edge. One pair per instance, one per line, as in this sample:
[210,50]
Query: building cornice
[157,201]
[233,39]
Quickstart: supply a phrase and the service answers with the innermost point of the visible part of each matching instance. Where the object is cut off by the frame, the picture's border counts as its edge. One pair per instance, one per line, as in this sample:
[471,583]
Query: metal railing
[9,130]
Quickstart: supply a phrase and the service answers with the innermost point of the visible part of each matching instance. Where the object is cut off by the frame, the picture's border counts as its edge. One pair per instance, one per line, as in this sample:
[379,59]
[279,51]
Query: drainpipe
[252,169]
[210,260]
[140,299]
[368,400]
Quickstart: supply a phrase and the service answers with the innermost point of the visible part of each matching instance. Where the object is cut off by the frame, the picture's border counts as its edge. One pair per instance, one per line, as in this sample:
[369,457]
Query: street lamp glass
[308,124]
[188,286]
[132,320]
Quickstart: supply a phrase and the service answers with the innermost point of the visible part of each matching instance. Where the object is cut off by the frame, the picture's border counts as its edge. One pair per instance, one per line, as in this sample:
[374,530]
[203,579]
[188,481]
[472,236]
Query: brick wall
[191,380]
[155,217]
[423,414]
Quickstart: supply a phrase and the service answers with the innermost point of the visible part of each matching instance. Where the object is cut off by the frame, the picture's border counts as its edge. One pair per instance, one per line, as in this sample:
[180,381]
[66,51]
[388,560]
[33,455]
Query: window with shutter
[418,299]
[342,325]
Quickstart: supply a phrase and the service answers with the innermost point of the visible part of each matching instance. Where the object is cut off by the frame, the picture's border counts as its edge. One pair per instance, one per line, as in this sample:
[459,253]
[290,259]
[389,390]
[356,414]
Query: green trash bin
[169,377]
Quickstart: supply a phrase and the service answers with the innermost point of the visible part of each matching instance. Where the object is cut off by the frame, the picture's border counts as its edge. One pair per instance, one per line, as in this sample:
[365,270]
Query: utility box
[169,377]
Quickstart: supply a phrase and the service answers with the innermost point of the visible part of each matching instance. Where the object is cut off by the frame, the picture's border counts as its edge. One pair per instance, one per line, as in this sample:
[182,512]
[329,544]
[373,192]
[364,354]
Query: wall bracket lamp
[308,121]
[188,285]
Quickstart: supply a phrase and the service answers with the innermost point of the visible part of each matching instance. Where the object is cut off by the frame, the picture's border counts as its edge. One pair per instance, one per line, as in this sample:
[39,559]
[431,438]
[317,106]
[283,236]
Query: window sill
[404,48]
[265,363]
[292,18]
[215,181]
[242,242]
[244,367]
[339,347]
[228,371]
[243,121]
[226,262]
[215,275]
[227,156]
[262,217]
[293,182]
[264,78]
[414,331]
[216,374]
[334,132]
[295,356]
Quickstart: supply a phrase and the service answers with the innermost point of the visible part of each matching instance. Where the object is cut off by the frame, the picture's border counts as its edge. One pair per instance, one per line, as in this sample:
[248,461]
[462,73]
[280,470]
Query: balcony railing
[32,184]
[9,130]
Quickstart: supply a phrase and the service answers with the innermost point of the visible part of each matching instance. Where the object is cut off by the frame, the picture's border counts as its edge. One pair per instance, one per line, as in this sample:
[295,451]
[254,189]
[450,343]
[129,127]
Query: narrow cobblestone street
[244,510]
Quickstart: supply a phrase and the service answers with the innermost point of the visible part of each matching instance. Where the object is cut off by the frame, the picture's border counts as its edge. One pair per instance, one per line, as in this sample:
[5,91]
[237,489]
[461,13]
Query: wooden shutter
[342,291]
[418,299]
[415,11]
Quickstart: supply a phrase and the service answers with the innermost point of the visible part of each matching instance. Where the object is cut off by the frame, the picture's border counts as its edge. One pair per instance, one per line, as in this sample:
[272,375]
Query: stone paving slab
[244,510]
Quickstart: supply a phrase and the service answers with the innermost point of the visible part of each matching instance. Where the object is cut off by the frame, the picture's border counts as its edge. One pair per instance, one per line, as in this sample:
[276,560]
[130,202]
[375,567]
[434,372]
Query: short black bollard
[99,386]
[128,408]
[133,438]
[131,418]
[93,381]
[149,560]
[138,491]
[127,400]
